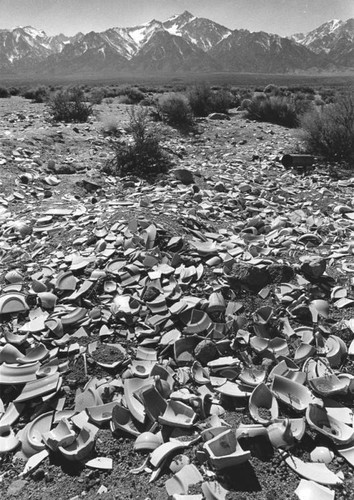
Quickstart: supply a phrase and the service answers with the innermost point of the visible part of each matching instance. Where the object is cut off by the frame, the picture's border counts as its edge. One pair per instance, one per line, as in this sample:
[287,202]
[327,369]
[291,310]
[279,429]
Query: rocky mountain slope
[183,43]
[334,38]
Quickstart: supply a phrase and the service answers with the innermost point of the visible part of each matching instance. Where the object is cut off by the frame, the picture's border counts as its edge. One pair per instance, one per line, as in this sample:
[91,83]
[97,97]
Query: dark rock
[206,351]
[280,273]
[220,187]
[184,175]
[250,277]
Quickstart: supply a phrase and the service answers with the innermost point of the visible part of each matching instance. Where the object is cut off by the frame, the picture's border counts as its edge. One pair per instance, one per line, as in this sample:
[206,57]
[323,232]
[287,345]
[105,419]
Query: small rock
[184,175]
[250,277]
[16,487]
[218,116]
[206,351]
[220,187]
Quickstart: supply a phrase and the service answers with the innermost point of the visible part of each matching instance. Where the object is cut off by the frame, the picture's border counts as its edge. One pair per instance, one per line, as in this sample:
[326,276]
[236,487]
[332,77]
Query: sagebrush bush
[204,100]
[273,109]
[38,94]
[221,101]
[175,110]
[130,95]
[198,97]
[143,156]
[4,93]
[329,130]
[96,96]
[70,106]
[110,127]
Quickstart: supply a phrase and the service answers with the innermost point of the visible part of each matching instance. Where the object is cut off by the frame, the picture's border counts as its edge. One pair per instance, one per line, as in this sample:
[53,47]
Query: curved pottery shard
[318,418]
[8,440]
[122,420]
[81,447]
[225,451]
[180,482]
[39,387]
[262,404]
[291,393]
[161,453]
[311,471]
[308,490]
[214,491]
[61,435]
[178,414]
[13,303]
[11,374]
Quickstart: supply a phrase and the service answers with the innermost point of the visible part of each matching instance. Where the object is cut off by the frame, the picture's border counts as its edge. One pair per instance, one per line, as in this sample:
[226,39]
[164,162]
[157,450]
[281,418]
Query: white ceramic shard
[312,471]
[291,393]
[280,434]
[147,441]
[309,490]
[322,454]
[329,385]
[102,463]
[39,387]
[234,390]
[10,354]
[318,418]
[81,447]
[122,420]
[225,451]
[262,405]
[8,439]
[11,374]
[61,435]
[101,413]
[31,435]
[178,414]
[34,461]
[214,491]
[160,454]
[180,482]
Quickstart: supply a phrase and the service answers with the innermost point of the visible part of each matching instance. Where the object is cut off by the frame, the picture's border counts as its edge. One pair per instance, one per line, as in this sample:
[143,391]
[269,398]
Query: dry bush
[175,110]
[329,130]
[143,156]
[70,106]
[281,110]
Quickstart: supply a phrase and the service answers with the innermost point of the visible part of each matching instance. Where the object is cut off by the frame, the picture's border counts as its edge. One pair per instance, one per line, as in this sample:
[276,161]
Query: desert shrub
[14,91]
[70,106]
[143,156]
[271,89]
[329,130]
[130,95]
[221,101]
[273,109]
[198,97]
[204,100]
[110,127]
[96,96]
[37,94]
[4,93]
[245,104]
[175,110]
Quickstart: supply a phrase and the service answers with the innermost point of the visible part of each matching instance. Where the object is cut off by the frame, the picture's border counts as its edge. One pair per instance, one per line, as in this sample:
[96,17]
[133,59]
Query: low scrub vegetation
[143,156]
[175,110]
[70,106]
[203,100]
[38,94]
[279,109]
[329,130]
[4,93]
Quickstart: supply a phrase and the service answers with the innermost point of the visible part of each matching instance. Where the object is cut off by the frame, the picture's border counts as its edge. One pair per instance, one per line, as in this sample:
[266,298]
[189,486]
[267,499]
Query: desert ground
[181,242]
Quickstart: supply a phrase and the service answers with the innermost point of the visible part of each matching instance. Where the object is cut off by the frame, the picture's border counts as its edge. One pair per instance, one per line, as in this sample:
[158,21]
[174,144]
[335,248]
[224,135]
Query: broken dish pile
[167,322]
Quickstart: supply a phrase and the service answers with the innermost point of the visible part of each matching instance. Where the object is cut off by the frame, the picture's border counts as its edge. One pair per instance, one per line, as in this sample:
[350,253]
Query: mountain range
[183,43]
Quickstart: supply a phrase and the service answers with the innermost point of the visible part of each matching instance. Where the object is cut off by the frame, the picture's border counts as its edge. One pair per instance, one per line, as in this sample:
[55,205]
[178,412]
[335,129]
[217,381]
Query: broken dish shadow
[240,478]
[70,467]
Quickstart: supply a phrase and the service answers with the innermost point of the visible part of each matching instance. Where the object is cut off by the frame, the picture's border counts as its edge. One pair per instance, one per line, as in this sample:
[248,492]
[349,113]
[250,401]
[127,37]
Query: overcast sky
[283,17]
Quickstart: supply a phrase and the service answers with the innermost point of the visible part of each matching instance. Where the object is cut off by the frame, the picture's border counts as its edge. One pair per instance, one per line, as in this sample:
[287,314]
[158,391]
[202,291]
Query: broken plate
[225,451]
